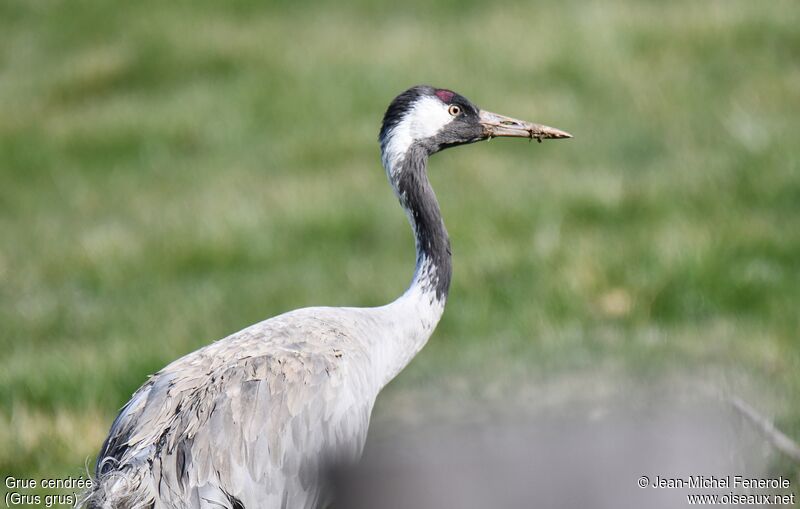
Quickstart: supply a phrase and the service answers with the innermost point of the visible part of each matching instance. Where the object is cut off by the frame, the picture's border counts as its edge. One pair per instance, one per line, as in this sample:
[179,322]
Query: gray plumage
[251,420]
[247,418]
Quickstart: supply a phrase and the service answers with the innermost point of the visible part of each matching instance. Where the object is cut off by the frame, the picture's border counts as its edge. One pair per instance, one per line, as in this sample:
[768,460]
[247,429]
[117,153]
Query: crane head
[438,118]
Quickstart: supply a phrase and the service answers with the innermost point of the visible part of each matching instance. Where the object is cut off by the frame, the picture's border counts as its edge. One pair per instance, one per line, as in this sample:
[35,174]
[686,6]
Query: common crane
[248,421]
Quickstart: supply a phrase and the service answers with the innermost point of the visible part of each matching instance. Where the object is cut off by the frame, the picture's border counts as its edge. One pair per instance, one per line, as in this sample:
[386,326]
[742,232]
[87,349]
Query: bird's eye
[454,110]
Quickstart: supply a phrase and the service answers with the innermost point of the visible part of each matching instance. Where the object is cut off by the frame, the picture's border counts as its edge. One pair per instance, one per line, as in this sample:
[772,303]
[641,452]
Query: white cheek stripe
[426,118]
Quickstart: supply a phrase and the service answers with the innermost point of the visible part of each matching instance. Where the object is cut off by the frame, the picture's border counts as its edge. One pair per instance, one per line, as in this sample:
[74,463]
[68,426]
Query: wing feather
[248,418]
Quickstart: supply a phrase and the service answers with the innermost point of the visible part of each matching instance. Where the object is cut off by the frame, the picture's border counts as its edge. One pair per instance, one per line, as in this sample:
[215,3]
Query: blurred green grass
[173,172]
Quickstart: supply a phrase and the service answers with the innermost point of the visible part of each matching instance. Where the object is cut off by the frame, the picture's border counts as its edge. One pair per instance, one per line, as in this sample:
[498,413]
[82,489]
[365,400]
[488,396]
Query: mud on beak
[495,126]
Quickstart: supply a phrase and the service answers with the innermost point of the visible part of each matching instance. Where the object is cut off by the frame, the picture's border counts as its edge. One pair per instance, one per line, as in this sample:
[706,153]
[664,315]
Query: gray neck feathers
[410,182]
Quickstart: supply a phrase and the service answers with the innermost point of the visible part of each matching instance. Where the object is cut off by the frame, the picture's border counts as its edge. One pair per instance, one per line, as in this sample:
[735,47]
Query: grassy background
[171,172]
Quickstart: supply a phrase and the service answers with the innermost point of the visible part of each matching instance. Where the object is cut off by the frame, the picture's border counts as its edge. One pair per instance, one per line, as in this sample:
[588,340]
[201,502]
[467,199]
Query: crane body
[251,420]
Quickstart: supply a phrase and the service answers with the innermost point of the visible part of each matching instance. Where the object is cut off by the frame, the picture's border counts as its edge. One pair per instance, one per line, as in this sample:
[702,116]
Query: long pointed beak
[495,125]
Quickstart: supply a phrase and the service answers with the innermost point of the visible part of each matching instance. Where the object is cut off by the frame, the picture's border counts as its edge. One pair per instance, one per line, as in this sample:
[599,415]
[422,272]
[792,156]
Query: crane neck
[409,321]
[409,178]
